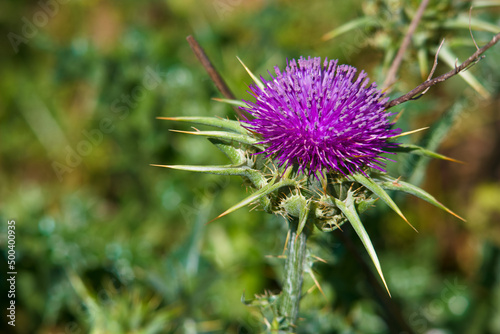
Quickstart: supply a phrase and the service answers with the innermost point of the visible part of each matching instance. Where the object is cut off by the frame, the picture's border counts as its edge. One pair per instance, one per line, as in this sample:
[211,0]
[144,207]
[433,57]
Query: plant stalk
[296,256]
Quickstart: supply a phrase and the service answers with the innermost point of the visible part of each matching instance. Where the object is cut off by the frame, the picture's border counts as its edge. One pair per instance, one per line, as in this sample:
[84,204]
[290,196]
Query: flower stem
[294,273]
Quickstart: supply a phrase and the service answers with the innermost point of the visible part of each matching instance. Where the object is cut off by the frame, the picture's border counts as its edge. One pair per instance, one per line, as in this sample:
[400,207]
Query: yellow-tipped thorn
[406,220]
[398,116]
[454,214]
[286,243]
[319,259]
[410,132]
[317,284]
[166,166]
[187,132]
[254,78]
[454,160]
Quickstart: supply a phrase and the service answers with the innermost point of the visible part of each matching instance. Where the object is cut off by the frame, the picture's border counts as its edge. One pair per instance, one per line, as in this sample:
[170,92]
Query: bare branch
[428,83]
[434,66]
[391,74]
[470,28]
[436,57]
[212,72]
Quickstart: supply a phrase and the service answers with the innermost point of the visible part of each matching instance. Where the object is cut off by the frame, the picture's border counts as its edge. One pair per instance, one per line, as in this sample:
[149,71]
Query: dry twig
[391,74]
[212,72]
[428,83]
[434,65]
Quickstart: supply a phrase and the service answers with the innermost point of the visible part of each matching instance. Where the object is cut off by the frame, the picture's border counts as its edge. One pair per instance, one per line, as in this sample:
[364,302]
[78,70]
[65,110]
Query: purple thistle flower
[321,118]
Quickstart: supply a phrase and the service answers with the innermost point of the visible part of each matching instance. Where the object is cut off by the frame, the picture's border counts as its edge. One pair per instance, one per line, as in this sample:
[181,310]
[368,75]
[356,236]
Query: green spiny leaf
[365,203]
[258,180]
[414,168]
[349,211]
[222,123]
[398,185]
[236,155]
[377,190]
[226,136]
[218,170]
[304,214]
[238,103]
[264,191]
[418,150]
[254,78]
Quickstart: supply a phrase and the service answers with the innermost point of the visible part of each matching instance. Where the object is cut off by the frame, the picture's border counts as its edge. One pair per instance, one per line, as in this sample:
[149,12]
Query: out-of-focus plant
[390,26]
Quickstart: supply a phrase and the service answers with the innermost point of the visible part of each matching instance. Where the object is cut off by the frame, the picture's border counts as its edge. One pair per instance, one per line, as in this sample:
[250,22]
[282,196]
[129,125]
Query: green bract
[324,202]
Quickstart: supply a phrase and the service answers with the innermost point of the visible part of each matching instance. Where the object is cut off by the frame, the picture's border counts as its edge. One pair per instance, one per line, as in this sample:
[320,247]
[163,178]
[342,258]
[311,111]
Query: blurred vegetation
[107,244]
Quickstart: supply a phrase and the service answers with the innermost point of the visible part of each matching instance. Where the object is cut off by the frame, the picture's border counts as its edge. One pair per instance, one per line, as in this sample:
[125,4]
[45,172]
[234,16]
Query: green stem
[294,274]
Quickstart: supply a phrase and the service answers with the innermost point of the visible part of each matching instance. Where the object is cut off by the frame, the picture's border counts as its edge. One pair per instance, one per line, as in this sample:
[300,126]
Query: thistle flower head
[321,118]
[318,118]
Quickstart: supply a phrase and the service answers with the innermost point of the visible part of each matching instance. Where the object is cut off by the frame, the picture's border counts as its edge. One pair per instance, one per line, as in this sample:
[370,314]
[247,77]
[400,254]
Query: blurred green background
[106,243]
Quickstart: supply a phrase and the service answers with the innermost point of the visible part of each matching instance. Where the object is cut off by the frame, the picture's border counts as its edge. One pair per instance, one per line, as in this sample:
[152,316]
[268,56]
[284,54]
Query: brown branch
[391,74]
[434,65]
[212,72]
[428,83]
[470,28]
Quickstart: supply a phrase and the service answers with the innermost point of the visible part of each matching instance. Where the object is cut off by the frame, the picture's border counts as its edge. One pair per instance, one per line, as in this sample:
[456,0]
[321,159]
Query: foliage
[106,243]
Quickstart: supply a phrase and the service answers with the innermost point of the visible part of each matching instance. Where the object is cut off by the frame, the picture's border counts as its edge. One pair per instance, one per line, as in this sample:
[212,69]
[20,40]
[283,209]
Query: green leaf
[222,123]
[394,184]
[218,170]
[365,203]
[349,211]
[486,3]
[414,168]
[377,190]
[304,214]
[253,175]
[463,22]
[351,25]
[418,150]
[253,76]
[226,136]
[449,58]
[264,191]
[422,62]
[238,103]
[236,155]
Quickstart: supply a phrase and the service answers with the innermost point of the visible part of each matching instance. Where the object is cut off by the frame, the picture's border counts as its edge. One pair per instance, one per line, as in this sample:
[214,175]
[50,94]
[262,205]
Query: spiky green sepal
[326,202]
[348,209]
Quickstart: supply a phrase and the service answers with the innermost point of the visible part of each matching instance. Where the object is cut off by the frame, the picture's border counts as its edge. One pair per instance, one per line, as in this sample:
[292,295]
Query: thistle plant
[312,144]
